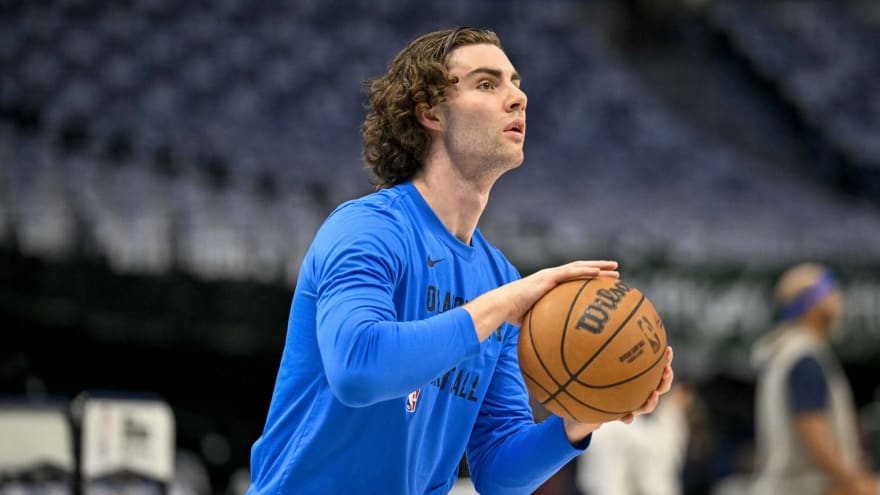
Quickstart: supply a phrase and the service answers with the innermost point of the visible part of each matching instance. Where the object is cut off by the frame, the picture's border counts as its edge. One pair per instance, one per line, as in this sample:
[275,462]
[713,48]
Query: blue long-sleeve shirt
[383,383]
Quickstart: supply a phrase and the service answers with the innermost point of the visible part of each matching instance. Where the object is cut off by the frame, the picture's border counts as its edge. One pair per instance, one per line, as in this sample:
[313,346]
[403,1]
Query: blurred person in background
[644,458]
[807,432]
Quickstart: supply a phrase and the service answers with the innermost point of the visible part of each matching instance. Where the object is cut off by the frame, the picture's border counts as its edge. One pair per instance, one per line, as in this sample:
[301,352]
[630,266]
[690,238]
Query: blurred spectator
[642,458]
[807,438]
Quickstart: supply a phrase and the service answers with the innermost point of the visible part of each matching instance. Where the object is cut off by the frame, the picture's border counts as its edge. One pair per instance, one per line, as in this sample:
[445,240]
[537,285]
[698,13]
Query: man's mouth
[517,127]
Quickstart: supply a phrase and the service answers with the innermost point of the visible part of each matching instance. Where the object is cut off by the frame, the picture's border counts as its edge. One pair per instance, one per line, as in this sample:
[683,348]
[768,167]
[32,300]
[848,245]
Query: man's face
[832,309]
[484,114]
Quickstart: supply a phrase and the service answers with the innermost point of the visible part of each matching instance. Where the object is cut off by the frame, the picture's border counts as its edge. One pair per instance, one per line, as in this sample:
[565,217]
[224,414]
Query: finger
[649,405]
[601,264]
[577,273]
[668,374]
[585,269]
[666,380]
[593,273]
[580,268]
[627,418]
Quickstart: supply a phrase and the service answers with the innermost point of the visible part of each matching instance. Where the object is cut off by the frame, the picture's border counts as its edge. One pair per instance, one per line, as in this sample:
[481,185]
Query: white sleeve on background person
[642,458]
[603,468]
[660,446]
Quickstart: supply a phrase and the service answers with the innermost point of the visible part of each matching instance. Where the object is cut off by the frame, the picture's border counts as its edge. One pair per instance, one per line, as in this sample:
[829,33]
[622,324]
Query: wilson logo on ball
[595,316]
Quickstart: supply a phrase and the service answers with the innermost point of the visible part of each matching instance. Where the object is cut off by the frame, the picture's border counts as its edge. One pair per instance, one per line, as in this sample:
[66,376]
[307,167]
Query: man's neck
[815,324]
[457,201]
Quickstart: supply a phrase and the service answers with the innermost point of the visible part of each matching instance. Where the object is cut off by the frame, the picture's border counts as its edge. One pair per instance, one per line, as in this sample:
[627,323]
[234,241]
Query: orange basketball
[592,350]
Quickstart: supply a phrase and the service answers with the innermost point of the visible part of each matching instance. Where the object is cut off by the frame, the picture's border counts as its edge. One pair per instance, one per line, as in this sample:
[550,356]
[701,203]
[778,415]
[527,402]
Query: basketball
[592,350]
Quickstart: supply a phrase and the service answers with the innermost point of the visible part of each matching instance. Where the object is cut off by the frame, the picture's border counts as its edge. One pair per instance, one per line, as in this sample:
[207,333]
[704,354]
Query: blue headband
[808,298]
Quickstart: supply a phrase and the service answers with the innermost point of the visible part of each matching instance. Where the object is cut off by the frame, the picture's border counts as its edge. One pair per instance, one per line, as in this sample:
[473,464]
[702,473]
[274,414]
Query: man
[401,343]
[806,424]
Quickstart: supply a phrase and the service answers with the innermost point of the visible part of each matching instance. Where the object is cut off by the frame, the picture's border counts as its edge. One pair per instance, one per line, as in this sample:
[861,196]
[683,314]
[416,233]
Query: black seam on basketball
[590,406]
[570,414]
[565,325]
[530,377]
[573,377]
[538,355]
[649,368]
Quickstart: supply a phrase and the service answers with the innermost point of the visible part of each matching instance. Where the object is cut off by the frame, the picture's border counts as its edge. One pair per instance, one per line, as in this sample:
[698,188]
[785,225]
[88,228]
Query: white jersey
[642,458]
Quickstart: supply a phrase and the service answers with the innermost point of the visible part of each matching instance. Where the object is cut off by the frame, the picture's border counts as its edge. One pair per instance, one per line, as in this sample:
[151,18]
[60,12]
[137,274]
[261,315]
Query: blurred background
[164,165]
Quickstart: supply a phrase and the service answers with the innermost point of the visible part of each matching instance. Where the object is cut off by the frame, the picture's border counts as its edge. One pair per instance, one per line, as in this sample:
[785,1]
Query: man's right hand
[511,301]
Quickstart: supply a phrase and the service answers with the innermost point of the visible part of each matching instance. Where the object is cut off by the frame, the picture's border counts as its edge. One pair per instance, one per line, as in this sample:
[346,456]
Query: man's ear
[427,116]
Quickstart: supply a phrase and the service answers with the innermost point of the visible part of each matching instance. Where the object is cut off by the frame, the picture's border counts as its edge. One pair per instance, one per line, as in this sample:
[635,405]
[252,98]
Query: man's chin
[517,159]
[509,161]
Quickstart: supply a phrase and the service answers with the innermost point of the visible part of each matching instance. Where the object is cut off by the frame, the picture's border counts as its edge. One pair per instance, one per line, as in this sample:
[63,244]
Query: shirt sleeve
[807,387]
[368,355]
[507,452]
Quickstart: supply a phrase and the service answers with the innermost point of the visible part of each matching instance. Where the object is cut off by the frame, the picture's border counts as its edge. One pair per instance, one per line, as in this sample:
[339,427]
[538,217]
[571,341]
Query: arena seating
[822,56]
[215,138]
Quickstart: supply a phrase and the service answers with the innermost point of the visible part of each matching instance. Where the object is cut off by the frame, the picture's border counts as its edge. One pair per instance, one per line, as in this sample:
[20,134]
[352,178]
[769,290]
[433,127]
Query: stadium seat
[127,444]
[37,451]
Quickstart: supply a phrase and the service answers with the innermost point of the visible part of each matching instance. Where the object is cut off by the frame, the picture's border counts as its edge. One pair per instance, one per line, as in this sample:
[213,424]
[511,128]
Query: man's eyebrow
[492,72]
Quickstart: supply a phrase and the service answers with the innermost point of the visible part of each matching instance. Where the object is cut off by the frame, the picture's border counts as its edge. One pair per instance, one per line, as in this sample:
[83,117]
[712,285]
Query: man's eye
[485,85]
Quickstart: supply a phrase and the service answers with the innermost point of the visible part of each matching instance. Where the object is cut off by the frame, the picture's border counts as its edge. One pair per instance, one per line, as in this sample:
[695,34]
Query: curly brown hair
[395,142]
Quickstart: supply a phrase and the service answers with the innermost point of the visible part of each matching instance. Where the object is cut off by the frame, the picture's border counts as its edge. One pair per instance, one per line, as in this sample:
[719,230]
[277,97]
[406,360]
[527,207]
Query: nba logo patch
[412,399]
